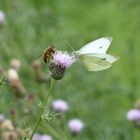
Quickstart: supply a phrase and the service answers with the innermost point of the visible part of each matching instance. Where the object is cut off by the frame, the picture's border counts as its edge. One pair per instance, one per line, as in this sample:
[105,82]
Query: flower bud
[57,72]
[52,65]
[12,75]
[15,64]
[36,64]
[9,135]
[7,125]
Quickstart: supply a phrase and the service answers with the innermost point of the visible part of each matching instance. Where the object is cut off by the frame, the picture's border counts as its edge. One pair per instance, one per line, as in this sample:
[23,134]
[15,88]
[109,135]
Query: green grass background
[100,99]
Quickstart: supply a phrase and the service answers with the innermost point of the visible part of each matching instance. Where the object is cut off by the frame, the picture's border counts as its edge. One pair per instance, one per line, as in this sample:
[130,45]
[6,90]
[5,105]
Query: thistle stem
[42,108]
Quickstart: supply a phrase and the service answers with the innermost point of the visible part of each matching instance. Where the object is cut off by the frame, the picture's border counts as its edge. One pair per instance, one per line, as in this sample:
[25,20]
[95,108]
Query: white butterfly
[93,55]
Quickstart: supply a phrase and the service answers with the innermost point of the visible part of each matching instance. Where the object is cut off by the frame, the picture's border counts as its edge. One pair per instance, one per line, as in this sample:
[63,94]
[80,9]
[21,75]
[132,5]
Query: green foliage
[100,99]
[2,79]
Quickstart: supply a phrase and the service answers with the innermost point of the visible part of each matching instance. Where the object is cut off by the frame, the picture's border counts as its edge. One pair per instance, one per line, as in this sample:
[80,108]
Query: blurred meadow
[100,99]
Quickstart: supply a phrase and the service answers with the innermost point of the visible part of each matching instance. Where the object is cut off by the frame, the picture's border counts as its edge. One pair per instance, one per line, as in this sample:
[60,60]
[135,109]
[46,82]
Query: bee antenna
[53,46]
[67,43]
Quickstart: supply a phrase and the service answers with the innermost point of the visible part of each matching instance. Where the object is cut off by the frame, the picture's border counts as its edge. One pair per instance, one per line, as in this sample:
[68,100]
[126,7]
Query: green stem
[42,109]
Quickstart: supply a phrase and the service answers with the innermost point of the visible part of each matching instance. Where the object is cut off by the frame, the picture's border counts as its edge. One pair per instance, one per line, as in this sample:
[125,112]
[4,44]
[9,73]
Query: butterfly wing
[98,46]
[107,57]
[97,62]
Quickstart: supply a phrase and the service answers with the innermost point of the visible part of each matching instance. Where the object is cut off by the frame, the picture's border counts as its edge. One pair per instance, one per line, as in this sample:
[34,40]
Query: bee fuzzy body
[48,54]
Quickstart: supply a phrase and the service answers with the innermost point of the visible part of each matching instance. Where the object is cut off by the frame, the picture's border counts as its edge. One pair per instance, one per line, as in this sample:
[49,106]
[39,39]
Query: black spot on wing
[103,58]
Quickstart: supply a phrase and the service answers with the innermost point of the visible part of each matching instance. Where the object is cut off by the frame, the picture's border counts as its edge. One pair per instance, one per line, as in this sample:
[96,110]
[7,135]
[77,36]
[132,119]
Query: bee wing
[37,58]
[98,46]
[97,62]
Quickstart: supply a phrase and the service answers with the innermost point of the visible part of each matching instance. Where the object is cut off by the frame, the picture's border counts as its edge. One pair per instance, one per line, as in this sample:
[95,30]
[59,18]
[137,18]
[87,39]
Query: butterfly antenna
[67,43]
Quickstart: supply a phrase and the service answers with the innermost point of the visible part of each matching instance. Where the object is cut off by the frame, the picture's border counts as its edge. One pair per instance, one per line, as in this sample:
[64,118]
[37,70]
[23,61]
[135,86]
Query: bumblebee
[48,54]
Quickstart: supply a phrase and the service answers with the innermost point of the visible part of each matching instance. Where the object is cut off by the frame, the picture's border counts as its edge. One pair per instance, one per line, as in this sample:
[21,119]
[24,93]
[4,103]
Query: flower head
[63,58]
[36,136]
[133,115]
[75,125]
[60,61]
[59,106]
[7,125]
[15,64]
[45,137]
[41,137]
[12,75]
[9,135]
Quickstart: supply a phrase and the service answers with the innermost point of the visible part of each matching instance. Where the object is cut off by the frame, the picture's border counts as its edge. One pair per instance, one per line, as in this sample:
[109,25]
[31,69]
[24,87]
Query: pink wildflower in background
[36,137]
[60,105]
[133,115]
[41,137]
[45,137]
[75,126]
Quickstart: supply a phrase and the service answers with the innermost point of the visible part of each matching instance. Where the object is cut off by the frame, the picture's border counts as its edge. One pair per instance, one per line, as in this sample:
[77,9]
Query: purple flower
[63,58]
[133,115]
[36,137]
[45,137]
[41,137]
[75,125]
[59,105]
